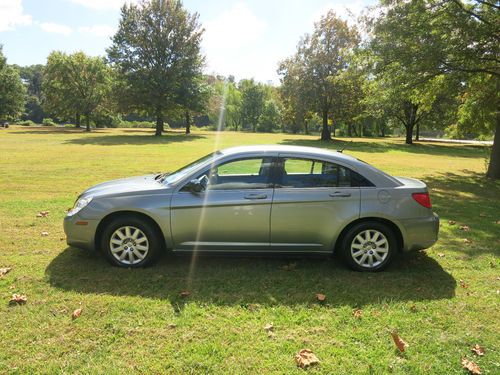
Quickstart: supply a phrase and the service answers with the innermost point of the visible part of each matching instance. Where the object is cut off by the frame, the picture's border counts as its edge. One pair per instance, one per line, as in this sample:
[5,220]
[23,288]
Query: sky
[245,38]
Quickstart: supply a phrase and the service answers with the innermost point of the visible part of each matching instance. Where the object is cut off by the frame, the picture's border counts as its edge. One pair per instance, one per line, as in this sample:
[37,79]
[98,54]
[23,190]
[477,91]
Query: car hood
[139,184]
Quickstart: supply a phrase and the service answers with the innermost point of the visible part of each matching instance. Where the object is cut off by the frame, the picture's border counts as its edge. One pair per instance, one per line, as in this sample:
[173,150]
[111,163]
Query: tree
[75,84]
[323,56]
[32,77]
[455,39]
[157,51]
[12,90]
[252,102]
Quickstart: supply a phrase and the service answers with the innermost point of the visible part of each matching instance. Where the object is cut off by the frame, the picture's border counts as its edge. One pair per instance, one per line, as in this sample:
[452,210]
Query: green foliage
[311,76]
[136,124]
[26,123]
[156,52]
[270,119]
[12,90]
[75,85]
[252,103]
[48,122]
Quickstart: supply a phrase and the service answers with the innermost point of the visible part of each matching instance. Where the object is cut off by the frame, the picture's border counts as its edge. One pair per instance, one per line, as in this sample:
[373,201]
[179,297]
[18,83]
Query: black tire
[152,242]
[372,248]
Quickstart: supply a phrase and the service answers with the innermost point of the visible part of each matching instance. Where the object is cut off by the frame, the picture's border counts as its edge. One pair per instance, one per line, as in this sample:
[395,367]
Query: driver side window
[250,173]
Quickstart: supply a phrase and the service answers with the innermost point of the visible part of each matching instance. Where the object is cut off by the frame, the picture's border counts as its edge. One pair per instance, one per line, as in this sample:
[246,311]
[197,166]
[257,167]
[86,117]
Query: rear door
[313,201]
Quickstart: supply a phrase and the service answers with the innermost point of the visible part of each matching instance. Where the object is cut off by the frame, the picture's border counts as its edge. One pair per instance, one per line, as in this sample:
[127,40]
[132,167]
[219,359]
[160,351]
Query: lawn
[442,301]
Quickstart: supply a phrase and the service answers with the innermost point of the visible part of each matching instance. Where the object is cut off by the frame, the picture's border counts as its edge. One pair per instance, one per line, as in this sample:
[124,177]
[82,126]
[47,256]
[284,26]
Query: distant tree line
[408,66]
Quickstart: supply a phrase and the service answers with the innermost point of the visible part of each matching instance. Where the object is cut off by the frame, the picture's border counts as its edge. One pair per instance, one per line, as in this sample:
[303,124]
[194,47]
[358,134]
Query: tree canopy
[12,90]
[157,52]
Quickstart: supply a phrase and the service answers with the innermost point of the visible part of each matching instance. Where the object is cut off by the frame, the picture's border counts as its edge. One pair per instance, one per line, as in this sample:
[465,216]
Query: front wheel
[129,242]
[368,246]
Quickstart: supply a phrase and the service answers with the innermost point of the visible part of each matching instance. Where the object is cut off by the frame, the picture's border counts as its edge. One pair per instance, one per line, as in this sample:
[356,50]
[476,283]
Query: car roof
[287,149]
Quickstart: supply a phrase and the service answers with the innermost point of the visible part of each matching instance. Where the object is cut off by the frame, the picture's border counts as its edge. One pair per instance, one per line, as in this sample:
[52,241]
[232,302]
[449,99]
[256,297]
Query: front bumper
[80,232]
[421,233]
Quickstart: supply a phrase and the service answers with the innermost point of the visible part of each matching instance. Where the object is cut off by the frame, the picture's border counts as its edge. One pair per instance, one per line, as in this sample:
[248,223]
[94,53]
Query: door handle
[255,196]
[340,194]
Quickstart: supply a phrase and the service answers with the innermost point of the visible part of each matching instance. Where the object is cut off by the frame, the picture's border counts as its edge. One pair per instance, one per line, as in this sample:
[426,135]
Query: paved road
[462,141]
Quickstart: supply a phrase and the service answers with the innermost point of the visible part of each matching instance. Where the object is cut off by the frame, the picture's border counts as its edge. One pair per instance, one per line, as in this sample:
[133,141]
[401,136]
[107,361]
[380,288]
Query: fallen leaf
[479,350]
[482,215]
[305,358]
[271,334]
[172,325]
[44,234]
[269,327]
[441,255]
[471,366]
[185,293]
[464,227]
[463,284]
[357,313]
[76,314]
[18,299]
[452,222]
[320,297]
[400,343]
[289,267]
[42,214]
[466,240]
[4,271]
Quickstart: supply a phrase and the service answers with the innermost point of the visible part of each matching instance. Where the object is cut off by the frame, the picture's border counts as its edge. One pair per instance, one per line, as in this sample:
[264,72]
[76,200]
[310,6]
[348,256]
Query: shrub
[138,124]
[48,122]
[26,123]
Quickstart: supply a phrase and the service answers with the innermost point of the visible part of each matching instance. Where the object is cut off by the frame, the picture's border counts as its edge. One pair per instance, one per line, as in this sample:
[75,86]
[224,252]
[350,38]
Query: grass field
[442,301]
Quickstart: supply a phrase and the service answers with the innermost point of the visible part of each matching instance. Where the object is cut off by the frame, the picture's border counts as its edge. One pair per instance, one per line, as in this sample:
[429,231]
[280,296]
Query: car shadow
[253,281]
[135,138]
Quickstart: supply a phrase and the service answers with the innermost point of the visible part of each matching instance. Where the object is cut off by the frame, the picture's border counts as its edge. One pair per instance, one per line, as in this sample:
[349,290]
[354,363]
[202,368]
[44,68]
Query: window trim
[279,168]
[270,177]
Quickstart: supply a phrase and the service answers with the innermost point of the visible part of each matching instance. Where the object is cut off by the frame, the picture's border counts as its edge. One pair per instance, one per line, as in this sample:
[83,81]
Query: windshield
[187,169]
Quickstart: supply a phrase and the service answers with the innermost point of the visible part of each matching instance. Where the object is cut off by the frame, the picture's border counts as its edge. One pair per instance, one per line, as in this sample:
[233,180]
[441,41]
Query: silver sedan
[258,199]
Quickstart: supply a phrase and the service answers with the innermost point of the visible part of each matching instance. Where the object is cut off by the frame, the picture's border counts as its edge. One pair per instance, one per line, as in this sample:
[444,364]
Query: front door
[233,212]
[313,201]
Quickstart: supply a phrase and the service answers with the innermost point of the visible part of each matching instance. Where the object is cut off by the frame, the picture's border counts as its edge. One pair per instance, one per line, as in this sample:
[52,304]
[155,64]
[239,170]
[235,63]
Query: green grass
[128,315]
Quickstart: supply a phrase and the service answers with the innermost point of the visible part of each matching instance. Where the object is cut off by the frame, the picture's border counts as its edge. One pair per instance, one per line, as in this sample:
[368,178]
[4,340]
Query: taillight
[422,199]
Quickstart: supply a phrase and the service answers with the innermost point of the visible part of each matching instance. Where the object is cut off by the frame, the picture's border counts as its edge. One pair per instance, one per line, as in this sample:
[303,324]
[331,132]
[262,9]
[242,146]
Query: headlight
[79,204]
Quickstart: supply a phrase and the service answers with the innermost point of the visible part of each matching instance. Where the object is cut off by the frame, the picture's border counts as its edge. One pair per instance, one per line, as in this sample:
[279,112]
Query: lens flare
[206,193]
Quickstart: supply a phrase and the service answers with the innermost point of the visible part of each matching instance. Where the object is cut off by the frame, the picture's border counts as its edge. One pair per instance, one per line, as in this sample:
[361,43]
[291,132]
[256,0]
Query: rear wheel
[368,246]
[130,242]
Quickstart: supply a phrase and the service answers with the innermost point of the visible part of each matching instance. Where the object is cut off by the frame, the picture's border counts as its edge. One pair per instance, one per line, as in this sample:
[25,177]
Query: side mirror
[198,185]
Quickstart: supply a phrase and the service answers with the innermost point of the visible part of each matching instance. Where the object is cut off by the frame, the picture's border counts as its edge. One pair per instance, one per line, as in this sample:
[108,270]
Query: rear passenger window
[307,173]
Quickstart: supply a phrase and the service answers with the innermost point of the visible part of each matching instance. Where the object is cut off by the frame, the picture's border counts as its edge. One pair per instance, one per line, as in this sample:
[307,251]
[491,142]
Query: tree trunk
[77,119]
[409,134]
[87,122]
[382,130]
[306,127]
[494,166]
[417,133]
[349,130]
[325,131]
[188,122]
[159,122]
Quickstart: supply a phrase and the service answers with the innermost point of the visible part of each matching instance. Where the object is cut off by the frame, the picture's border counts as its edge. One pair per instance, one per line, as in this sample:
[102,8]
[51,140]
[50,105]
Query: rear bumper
[421,233]
[80,235]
